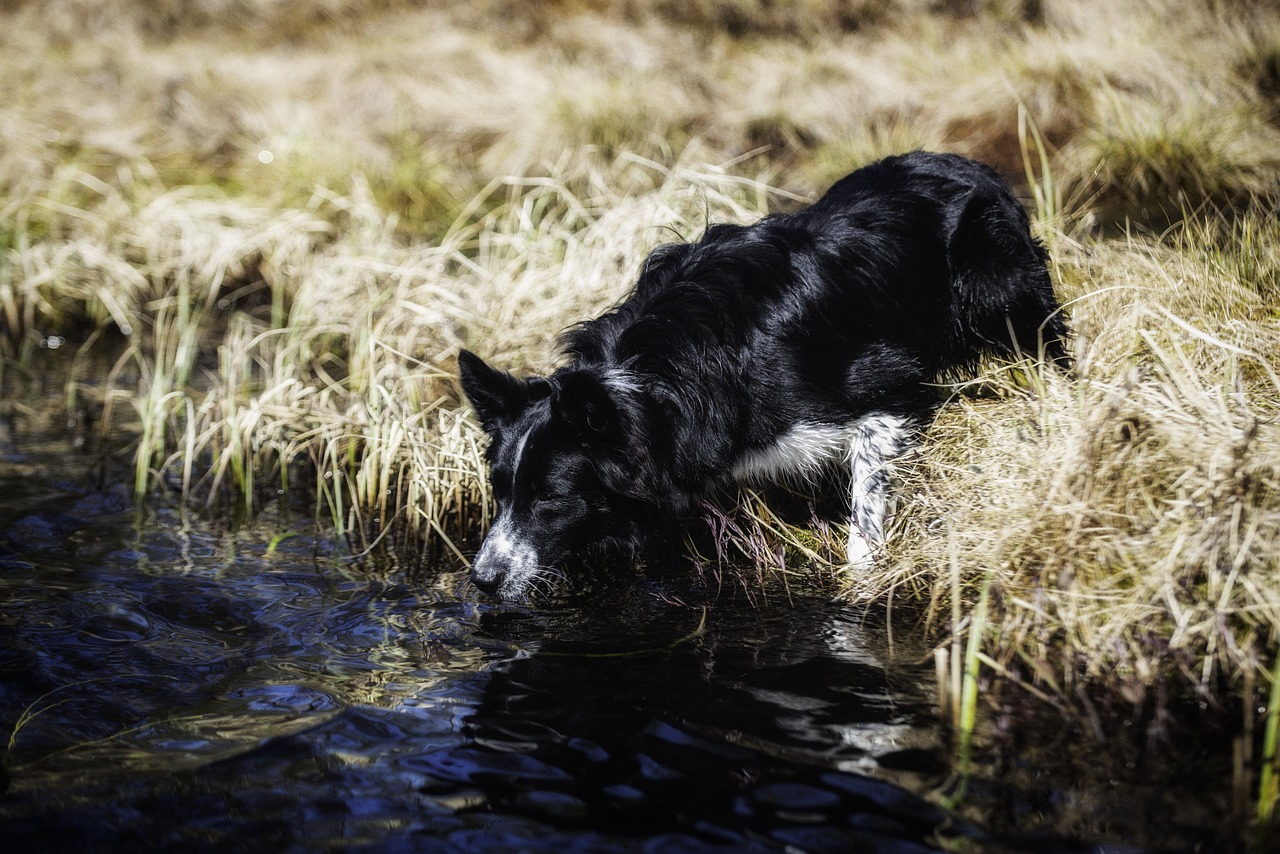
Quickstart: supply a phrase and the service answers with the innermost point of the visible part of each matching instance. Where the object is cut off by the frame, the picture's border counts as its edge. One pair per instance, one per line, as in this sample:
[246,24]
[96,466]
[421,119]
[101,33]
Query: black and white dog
[762,352]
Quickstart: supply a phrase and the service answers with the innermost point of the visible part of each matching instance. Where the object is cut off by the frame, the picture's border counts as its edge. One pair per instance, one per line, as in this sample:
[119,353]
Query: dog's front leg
[874,441]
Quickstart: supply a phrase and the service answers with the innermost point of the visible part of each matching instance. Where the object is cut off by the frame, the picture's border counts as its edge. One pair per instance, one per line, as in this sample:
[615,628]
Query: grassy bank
[288,216]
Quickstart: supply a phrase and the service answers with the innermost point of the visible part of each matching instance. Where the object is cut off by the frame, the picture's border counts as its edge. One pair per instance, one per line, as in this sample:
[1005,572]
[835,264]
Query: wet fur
[762,352]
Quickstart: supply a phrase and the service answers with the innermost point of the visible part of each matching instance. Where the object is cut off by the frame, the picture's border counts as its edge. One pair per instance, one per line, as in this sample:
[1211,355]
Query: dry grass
[1131,517]
[288,216]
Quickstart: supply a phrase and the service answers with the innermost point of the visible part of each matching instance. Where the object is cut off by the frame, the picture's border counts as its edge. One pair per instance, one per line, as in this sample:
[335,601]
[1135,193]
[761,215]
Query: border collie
[784,349]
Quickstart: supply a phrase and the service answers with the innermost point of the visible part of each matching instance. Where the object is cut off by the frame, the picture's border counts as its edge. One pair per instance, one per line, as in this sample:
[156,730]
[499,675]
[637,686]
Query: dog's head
[563,467]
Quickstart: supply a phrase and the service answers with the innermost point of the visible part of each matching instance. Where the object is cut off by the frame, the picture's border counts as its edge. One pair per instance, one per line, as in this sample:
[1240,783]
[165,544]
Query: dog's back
[913,267]
[978,283]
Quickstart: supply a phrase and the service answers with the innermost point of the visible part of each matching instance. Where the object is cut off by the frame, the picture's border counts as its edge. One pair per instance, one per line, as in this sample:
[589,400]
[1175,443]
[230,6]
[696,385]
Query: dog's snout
[492,568]
[486,580]
[505,563]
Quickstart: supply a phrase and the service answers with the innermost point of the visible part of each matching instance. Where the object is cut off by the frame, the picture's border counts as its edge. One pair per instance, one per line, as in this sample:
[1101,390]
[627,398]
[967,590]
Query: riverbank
[289,216]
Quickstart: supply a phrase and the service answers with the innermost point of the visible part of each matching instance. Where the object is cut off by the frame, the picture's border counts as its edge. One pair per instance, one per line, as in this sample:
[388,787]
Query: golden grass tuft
[1155,164]
[335,367]
[1129,518]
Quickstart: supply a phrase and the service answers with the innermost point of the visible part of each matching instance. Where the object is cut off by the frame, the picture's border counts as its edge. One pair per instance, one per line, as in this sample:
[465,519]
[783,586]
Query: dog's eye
[545,503]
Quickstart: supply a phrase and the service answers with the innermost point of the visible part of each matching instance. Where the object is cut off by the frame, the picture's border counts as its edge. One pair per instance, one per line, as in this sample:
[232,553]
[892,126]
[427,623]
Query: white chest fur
[866,446]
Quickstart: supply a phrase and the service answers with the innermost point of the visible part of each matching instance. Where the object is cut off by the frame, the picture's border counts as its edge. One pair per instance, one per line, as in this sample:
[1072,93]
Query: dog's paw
[859,555]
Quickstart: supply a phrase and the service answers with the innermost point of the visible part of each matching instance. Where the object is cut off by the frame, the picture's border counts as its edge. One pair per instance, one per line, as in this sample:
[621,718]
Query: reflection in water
[168,684]
[742,740]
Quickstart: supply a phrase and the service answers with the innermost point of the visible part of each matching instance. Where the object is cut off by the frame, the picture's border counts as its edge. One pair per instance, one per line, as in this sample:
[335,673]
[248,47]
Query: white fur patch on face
[519,452]
[622,381]
[508,558]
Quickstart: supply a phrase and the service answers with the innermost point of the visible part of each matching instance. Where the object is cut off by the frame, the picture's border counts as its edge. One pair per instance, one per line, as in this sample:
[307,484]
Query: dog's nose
[487,583]
[487,571]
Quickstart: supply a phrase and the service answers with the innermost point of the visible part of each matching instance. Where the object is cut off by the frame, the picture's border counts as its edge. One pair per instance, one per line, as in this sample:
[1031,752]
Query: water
[172,684]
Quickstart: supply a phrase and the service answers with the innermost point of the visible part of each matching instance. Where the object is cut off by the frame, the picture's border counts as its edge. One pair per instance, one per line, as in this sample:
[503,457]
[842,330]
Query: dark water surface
[169,684]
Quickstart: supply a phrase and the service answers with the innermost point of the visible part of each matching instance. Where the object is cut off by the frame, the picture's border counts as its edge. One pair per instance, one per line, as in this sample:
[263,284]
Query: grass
[292,216]
[1153,163]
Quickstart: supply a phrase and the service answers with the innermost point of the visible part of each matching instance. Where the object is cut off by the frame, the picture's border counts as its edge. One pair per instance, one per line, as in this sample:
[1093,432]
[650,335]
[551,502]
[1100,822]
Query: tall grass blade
[1269,776]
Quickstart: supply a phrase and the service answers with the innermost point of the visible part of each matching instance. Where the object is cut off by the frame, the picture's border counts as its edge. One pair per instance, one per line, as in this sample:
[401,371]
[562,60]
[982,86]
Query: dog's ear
[496,395]
[583,401]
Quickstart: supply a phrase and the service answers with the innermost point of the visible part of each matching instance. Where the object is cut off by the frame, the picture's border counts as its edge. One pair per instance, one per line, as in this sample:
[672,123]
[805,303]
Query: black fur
[802,327]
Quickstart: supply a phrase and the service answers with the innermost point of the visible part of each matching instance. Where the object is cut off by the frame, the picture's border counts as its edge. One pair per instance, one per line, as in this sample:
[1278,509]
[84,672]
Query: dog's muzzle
[487,576]
[506,563]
